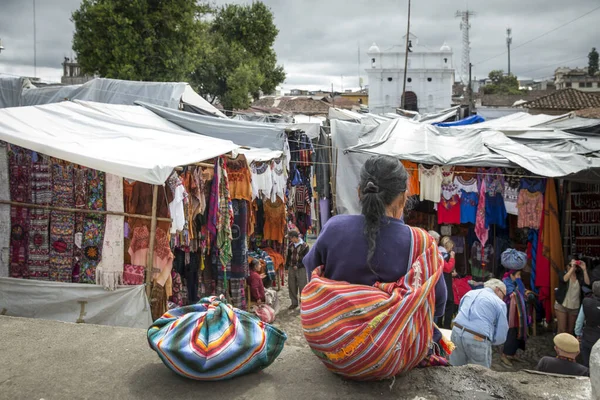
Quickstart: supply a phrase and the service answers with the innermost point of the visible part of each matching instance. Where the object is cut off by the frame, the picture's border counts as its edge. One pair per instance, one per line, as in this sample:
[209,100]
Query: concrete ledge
[55,360]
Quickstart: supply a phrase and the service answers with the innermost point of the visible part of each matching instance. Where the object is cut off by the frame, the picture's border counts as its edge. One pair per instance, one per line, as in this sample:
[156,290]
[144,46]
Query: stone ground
[55,360]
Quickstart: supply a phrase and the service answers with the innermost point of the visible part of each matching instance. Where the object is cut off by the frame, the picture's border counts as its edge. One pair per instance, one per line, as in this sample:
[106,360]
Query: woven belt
[479,335]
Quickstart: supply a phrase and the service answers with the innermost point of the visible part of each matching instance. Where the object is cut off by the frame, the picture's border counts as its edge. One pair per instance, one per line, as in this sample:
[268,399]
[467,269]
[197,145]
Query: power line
[540,36]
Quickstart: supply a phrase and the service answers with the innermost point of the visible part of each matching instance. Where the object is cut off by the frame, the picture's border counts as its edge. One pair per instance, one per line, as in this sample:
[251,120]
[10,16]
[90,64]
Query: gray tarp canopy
[11,90]
[242,133]
[114,91]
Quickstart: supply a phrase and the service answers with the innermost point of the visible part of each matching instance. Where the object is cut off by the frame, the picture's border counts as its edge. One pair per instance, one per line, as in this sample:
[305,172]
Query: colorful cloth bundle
[213,341]
[374,332]
[265,313]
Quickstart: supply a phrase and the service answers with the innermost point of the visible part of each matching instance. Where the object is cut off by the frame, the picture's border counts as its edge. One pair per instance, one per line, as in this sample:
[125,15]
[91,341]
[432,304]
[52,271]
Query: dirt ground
[537,346]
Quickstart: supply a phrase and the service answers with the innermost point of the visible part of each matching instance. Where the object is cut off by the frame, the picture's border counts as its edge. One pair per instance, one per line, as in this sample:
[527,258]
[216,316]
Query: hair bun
[371,188]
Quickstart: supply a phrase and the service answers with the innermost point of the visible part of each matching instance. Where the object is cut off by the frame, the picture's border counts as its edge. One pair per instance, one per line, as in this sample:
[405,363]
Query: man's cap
[567,343]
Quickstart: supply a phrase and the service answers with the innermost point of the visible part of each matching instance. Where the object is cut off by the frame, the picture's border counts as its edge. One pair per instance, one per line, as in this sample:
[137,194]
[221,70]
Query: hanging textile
[239,244]
[414,188]
[239,178]
[324,210]
[449,210]
[447,174]
[140,244]
[4,212]
[93,226]
[275,222]
[20,191]
[431,183]
[532,253]
[225,218]
[530,207]
[279,180]
[323,166]
[466,185]
[511,189]
[109,272]
[62,224]
[262,180]
[468,207]
[481,229]
[176,206]
[80,194]
[39,222]
[238,293]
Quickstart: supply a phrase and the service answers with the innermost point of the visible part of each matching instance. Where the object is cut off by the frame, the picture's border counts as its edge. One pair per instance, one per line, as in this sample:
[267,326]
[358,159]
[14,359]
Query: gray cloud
[318,40]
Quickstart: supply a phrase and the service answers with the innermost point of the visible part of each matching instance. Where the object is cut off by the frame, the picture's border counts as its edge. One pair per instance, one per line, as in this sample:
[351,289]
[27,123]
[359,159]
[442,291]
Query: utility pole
[508,43]
[470,90]
[403,103]
[359,80]
[34,44]
[465,26]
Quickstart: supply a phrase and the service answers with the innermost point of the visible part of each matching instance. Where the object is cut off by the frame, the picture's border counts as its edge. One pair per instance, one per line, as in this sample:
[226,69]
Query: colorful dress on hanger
[495,211]
[466,185]
[80,193]
[531,206]
[468,207]
[533,185]
[41,193]
[93,226]
[447,174]
[262,180]
[275,222]
[240,184]
[449,210]
[414,188]
[511,190]
[431,183]
[20,191]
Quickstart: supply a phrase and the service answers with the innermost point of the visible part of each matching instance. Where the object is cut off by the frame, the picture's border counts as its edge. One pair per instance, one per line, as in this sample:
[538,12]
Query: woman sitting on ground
[368,310]
[255,281]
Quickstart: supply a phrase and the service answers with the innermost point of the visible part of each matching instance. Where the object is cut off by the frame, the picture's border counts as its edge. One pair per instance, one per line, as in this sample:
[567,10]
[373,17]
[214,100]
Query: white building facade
[429,79]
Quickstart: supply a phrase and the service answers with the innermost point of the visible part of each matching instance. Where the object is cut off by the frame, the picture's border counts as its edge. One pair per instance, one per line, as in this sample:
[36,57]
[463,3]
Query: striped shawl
[374,332]
[213,341]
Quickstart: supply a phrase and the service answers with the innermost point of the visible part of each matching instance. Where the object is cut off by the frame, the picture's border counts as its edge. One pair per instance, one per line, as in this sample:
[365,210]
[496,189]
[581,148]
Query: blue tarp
[473,119]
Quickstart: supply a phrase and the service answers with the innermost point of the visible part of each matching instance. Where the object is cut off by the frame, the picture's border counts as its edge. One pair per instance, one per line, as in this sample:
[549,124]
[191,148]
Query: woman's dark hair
[253,264]
[382,180]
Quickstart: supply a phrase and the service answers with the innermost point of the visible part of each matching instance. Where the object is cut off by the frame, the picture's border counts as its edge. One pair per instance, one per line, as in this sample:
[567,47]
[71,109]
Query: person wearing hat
[587,327]
[514,261]
[567,349]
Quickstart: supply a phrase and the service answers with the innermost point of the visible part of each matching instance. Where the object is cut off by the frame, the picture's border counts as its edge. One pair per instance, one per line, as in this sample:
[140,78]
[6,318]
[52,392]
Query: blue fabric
[579,323]
[473,119]
[513,259]
[495,210]
[468,207]
[483,312]
[511,286]
[469,350]
[533,237]
[342,247]
[533,184]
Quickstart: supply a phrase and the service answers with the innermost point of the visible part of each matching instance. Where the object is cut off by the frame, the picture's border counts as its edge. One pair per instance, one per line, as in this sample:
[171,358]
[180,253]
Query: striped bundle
[213,341]
[374,332]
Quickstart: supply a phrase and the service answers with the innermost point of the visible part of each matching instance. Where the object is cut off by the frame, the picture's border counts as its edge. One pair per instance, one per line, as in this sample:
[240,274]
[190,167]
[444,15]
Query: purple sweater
[342,248]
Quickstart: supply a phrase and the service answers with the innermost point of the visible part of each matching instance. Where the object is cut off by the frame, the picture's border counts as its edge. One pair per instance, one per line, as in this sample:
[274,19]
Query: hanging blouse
[262,180]
[413,177]
[275,223]
[494,180]
[447,174]
[279,180]
[431,183]
[467,185]
[449,190]
[533,185]
[467,173]
[495,211]
[468,207]
[238,173]
[530,207]
[176,206]
[511,193]
[449,210]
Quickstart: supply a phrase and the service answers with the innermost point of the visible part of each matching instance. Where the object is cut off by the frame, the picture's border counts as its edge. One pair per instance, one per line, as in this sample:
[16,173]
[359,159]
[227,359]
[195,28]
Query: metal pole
[34,44]
[470,89]
[403,103]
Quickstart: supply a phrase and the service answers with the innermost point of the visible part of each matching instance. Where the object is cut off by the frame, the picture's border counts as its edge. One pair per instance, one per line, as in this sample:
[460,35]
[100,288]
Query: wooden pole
[150,259]
[406,58]
[79,210]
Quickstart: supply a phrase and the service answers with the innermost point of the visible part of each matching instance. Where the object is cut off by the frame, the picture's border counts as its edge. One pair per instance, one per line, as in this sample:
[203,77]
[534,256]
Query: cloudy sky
[319,39]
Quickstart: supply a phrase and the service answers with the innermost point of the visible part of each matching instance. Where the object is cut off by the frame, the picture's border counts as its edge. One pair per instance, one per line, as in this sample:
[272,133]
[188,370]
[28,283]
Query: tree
[152,40]
[502,84]
[593,62]
[239,62]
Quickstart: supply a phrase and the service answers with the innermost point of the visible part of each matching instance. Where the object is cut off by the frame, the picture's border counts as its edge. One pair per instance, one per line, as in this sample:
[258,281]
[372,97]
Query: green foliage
[593,62]
[150,40]
[225,53]
[240,61]
[502,84]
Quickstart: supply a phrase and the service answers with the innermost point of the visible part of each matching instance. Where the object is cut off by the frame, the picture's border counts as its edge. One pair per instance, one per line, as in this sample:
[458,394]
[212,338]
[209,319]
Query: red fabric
[460,287]
[449,211]
[257,289]
[449,265]
[542,274]
[265,313]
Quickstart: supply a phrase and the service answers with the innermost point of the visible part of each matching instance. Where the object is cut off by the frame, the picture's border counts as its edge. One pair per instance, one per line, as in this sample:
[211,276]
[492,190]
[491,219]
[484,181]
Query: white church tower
[429,78]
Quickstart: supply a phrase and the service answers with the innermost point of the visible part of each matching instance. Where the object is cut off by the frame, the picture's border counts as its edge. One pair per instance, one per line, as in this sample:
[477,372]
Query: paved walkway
[57,361]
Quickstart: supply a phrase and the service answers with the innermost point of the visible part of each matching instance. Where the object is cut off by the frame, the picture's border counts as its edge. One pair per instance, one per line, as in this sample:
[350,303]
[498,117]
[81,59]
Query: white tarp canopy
[144,151]
[114,91]
[68,302]
[11,90]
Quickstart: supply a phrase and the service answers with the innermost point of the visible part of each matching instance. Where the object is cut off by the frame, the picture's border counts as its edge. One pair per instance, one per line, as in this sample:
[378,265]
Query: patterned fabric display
[109,272]
[239,244]
[374,332]
[41,193]
[213,341]
[133,275]
[62,224]
[93,227]
[80,188]
[4,212]
[20,172]
[238,293]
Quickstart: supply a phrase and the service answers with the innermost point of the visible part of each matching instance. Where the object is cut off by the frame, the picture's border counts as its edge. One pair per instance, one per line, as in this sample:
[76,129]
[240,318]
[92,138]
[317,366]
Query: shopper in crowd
[480,324]
[516,301]
[449,272]
[567,349]
[587,327]
[297,276]
[568,295]
[257,288]
[380,273]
